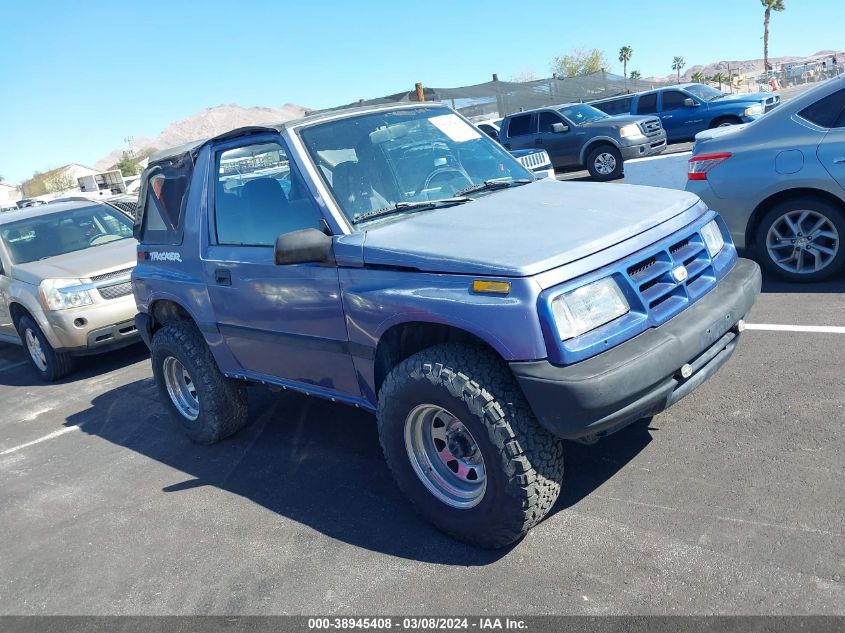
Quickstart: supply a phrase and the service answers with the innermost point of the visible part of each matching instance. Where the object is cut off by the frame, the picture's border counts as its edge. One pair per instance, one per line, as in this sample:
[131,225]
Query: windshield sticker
[455,128]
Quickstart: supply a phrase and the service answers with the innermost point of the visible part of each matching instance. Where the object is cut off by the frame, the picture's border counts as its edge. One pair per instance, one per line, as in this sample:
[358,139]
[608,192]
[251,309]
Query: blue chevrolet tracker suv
[687,109]
[398,260]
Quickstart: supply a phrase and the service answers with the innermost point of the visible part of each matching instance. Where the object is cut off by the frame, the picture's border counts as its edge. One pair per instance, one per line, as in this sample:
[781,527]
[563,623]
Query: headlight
[754,110]
[713,239]
[58,294]
[586,308]
[631,131]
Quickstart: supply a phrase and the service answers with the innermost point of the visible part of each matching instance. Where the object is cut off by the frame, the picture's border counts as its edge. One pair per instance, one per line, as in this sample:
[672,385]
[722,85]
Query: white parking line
[773,327]
[49,436]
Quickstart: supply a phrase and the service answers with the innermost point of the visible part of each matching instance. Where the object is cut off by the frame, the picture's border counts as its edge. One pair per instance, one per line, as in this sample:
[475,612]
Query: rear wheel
[604,163]
[464,446]
[800,239]
[49,364]
[207,405]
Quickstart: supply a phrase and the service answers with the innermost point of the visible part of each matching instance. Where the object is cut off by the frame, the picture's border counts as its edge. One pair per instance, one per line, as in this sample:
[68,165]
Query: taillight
[700,166]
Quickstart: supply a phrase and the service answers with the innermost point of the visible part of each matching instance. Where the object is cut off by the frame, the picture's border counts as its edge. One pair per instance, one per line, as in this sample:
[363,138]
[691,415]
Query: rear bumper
[641,377]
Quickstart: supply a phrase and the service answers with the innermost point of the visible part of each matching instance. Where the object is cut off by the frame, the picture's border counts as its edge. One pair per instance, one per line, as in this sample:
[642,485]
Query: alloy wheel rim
[605,163]
[181,388]
[445,456]
[36,352]
[802,241]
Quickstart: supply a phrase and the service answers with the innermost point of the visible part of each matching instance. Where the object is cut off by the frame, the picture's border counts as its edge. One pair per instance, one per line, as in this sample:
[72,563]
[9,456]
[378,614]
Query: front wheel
[464,446]
[800,239]
[49,364]
[208,406]
[605,163]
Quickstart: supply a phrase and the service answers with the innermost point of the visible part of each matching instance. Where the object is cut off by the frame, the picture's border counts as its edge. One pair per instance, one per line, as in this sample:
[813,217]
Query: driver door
[280,321]
[562,147]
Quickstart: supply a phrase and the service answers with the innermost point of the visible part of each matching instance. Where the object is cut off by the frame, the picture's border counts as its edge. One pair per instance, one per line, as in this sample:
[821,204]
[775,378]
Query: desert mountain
[205,123]
[749,66]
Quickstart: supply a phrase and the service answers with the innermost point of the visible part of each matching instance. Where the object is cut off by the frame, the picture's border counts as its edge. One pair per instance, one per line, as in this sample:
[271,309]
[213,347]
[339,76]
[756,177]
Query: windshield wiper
[496,183]
[416,205]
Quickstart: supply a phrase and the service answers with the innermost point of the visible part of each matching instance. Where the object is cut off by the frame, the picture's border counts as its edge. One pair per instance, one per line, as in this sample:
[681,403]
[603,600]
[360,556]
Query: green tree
[718,78]
[636,75]
[698,77]
[625,54]
[127,165]
[771,5]
[678,64]
[579,62]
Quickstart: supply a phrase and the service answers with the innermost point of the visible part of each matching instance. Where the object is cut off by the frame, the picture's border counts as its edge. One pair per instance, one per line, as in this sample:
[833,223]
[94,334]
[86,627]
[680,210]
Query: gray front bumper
[641,377]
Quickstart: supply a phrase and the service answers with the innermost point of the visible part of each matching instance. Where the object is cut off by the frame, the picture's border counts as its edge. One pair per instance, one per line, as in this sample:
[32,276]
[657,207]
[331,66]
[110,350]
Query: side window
[647,104]
[828,112]
[520,125]
[163,199]
[546,120]
[259,195]
[673,100]
[617,106]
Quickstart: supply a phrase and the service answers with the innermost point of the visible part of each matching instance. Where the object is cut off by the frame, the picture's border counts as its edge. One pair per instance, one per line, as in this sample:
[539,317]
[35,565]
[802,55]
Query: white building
[9,194]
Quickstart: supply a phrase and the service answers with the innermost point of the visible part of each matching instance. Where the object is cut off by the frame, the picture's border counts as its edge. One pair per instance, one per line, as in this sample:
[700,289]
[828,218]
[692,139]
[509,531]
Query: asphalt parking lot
[731,502]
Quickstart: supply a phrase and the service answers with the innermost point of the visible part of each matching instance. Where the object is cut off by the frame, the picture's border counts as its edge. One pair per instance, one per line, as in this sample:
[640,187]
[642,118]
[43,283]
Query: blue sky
[78,77]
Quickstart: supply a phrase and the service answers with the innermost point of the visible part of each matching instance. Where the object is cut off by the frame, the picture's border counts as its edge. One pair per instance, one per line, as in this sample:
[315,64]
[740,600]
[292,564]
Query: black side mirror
[690,103]
[559,128]
[303,246]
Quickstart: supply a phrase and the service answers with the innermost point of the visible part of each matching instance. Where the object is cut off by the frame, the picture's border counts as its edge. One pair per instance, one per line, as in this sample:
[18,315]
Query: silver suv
[65,286]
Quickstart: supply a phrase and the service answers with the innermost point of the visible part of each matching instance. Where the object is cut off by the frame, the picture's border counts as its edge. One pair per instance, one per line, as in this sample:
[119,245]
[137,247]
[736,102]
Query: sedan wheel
[802,242]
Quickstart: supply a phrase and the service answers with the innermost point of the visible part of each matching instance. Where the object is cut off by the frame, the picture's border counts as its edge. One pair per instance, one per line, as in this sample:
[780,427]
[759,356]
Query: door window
[546,120]
[259,195]
[673,100]
[520,125]
[647,104]
[162,201]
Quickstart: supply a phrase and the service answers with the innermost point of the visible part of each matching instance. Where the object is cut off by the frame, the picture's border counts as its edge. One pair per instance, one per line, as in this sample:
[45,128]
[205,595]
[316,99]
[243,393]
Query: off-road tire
[833,212]
[591,163]
[58,364]
[222,401]
[524,462]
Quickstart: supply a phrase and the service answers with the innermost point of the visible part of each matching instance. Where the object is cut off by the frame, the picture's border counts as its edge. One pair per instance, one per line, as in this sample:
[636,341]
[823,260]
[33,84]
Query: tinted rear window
[520,125]
[647,104]
[828,112]
[616,106]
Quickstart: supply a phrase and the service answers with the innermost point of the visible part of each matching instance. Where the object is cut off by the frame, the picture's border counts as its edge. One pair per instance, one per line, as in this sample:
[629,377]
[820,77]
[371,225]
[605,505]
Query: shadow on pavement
[772,284]
[316,463]
[86,367]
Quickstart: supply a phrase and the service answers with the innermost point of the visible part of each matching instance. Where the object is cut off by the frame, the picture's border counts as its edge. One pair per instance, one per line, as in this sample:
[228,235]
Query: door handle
[223,277]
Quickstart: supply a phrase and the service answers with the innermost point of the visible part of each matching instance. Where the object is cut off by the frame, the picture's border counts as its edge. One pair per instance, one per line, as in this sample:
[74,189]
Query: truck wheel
[800,239]
[464,446]
[725,122]
[208,405]
[604,163]
[49,364]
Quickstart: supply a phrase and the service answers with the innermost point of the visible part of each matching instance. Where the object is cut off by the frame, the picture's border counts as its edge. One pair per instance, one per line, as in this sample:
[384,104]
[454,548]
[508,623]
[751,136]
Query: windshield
[581,113]
[402,157]
[55,234]
[707,93]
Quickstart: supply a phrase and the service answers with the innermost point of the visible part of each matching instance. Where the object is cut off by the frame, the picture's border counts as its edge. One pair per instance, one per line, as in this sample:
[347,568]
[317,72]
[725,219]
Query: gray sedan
[779,183]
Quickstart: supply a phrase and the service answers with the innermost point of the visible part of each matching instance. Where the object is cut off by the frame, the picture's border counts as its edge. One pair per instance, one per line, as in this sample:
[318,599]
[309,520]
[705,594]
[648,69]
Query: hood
[617,121]
[82,264]
[750,97]
[525,230]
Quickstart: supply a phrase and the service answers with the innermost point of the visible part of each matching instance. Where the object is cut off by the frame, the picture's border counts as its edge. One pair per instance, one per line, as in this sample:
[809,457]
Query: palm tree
[625,54]
[635,74]
[771,5]
[677,64]
[698,77]
[719,78]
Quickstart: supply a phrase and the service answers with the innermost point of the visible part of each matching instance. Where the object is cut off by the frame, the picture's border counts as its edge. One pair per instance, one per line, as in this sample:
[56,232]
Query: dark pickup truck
[576,134]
